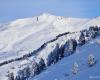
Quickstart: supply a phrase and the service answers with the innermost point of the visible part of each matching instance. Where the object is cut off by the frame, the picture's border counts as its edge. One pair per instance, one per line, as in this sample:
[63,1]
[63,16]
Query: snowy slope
[63,69]
[23,36]
[19,35]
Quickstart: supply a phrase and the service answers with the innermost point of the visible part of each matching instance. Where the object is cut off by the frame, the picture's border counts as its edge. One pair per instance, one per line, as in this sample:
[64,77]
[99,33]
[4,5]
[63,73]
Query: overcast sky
[14,9]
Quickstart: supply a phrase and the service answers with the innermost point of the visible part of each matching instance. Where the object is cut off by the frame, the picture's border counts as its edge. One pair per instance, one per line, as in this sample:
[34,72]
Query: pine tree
[10,76]
[81,39]
[26,72]
[70,47]
[17,77]
[91,60]
[56,53]
[21,75]
[75,68]
[61,51]
[34,69]
[41,64]
[92,32]
[53,57]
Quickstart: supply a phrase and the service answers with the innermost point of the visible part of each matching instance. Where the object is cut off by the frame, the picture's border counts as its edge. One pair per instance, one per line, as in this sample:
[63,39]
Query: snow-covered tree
[26,72]
[96,28]
[93,31]
[34,68]
[91,60]
[10,76]
[99,28]
[75,68]
[20,75]
[17,78]
[23,74]
[56,53]
[49,60]
[86,33]
[53,57]
[41,64]
[92,34]
[81,39]
[74,44]
[61,51]
[70,47]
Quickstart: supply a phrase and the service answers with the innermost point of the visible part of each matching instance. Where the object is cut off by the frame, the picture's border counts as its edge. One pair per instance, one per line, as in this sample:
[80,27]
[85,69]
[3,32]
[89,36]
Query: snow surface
[19,35]
[63,69]
[23,36]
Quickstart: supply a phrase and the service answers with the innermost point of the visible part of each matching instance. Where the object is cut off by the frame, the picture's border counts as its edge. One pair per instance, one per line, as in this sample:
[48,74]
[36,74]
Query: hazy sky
[14,9]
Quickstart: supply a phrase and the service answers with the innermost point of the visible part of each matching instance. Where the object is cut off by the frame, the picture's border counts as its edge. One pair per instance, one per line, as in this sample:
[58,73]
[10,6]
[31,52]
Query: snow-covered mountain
[23,36]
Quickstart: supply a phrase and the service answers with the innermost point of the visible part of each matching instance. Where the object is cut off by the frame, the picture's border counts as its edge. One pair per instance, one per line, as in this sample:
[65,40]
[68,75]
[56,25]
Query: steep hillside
[63,69]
